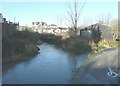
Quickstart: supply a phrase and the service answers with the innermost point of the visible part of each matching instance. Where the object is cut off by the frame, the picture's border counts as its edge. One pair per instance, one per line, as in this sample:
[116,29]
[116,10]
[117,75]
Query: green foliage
[112,43]
[81,47]
[96,35]
[74,46]
[103,44]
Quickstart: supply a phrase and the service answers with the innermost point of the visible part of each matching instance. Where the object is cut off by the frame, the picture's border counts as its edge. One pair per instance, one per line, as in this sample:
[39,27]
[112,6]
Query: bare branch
[79,12]
[74,12]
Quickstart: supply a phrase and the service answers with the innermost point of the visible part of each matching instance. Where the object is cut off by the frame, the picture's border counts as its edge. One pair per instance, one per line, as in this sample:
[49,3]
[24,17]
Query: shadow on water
[9,65]
[52,65]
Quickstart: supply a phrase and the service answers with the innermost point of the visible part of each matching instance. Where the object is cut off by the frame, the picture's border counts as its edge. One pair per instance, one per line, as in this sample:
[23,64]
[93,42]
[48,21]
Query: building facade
[106,31]
[42,27]
[8,28]
[1,18]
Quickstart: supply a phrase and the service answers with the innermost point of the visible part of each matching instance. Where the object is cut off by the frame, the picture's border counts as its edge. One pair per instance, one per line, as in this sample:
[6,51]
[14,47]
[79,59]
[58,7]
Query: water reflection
[51,66]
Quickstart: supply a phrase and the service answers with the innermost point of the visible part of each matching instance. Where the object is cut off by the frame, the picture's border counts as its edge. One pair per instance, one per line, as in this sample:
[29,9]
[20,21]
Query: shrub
[19,45]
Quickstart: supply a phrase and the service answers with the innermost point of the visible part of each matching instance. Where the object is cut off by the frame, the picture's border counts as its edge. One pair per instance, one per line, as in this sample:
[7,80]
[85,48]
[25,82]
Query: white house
[52,26]
[63,29]
[22,28]
[51,30]
[35,26]
[42,27]
[57,30]
[39,31]
[39,26]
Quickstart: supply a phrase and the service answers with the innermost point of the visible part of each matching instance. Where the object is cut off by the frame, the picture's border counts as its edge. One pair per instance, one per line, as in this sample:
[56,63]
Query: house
[9,28]
[52,26]
[35,26]
[63,29]
[42,27]
[22,28]
[106,31]
[53,29]
[44,24]
[57,30]
[48,30]
[39,30]
[86,32]
[39,26]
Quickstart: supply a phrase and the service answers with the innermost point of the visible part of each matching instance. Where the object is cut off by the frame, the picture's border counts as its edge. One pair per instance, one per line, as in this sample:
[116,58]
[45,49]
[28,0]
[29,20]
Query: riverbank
[104,44]
[73,45]
[96,66]
[19,46]
[51,66]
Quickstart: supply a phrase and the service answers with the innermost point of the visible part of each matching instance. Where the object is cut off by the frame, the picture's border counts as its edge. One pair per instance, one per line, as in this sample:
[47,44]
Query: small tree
[96,35]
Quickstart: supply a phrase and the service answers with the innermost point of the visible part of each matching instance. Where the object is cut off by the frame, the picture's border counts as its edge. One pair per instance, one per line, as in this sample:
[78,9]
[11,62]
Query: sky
[55,12]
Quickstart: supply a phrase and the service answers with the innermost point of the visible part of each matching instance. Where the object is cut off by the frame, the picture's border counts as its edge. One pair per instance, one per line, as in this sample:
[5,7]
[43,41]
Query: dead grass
[104,44]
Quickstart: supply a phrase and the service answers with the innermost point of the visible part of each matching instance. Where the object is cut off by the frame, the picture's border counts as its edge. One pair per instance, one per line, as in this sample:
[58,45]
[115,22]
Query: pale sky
[55,12]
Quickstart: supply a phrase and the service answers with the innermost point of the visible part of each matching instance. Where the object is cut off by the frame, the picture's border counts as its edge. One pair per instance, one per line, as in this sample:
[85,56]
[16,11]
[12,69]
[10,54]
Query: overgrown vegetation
[22,44]
[19,46]
[73,45]
[103,44]
[77,45]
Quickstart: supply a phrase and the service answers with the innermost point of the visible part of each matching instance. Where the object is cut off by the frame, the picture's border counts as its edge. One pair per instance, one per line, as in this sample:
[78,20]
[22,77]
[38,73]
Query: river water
[51,66]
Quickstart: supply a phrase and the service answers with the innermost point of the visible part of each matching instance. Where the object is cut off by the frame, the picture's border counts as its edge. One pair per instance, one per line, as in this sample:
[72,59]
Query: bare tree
[104,19]
[74,10]
[114,26]
[59,20]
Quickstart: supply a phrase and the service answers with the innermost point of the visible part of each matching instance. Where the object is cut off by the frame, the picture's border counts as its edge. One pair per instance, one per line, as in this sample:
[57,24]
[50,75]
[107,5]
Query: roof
[50,28]
[63,28]
[106,30]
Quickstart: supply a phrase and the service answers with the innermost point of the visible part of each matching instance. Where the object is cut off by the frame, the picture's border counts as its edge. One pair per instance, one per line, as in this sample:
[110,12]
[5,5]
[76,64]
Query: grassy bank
[104,44]
[19,46]
[73,45]
[97,48]
[77,45]
[80,72]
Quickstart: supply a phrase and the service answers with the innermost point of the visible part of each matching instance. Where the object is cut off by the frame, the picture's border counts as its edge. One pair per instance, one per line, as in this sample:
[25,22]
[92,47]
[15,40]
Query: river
[51,66]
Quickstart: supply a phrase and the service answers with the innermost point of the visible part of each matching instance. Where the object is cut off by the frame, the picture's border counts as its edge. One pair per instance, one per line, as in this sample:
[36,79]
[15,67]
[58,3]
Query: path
[96,70]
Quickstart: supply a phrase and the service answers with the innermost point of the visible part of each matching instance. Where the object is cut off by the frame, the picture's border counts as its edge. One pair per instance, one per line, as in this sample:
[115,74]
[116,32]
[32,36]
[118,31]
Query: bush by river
[19,46]
[22,44]
[78,45]
[104,44]
[73,45]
